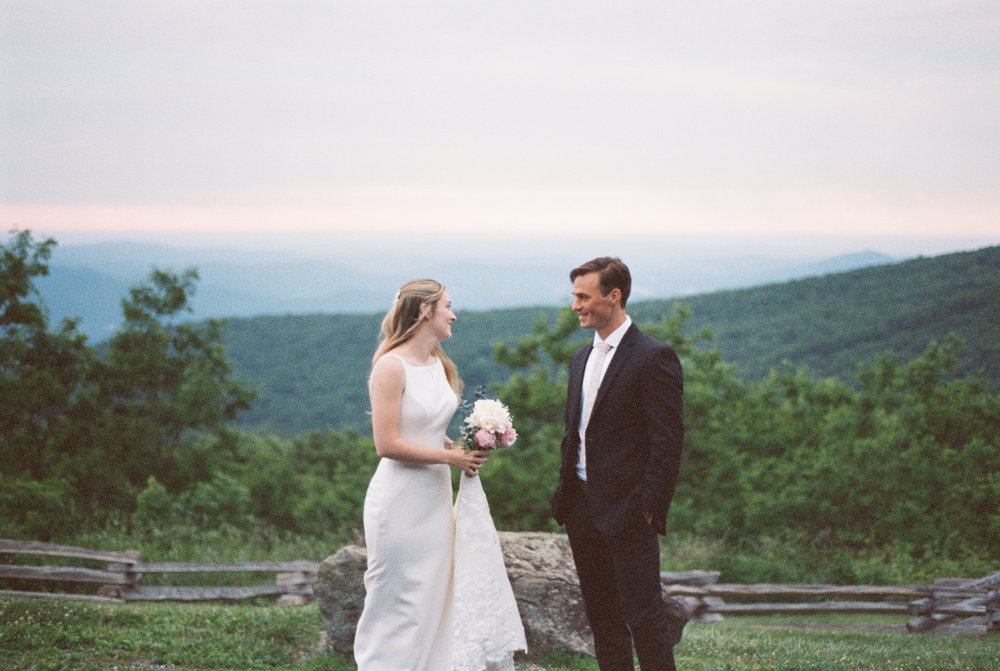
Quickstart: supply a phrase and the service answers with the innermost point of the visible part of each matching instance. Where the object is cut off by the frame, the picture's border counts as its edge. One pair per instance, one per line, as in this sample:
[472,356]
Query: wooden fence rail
[36,548]
[713,599]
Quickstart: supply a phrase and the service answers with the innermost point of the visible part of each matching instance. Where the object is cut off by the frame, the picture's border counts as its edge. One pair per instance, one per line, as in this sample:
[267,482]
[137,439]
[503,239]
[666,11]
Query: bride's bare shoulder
[388,368]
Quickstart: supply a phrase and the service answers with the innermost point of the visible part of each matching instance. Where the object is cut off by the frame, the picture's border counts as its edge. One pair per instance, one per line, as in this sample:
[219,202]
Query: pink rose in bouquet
[485,439]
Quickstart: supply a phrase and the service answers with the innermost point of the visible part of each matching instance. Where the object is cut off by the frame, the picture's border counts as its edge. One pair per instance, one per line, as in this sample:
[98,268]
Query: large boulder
[541,571]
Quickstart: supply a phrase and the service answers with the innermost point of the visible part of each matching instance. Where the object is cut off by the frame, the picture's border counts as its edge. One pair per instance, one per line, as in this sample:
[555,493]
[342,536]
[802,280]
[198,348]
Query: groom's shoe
[677,616]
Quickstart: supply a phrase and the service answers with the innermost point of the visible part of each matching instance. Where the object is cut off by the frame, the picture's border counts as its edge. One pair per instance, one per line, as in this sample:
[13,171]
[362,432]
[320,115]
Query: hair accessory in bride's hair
[395,299]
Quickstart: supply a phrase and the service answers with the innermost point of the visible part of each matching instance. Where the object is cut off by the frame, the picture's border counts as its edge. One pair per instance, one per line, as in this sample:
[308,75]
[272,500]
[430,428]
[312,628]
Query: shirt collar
[615,338]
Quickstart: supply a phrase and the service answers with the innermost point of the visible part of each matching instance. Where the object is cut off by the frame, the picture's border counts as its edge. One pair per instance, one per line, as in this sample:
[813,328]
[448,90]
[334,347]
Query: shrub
[35,510]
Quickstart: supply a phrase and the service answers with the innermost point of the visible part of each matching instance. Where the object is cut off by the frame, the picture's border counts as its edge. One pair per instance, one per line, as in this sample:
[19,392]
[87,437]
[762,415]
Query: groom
[620,457]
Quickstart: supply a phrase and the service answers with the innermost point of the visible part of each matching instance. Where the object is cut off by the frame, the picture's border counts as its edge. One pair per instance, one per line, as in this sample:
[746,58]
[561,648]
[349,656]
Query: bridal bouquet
[488,426]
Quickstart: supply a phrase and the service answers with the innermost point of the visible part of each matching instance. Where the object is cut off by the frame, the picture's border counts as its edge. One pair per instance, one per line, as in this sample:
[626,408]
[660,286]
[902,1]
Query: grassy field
[41,635]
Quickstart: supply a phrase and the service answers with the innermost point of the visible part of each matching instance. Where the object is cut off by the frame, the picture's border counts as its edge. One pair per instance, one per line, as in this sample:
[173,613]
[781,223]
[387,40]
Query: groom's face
[594,310]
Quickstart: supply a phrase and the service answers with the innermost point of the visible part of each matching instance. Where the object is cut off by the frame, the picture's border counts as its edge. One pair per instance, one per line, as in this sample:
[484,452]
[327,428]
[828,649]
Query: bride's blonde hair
[403,319]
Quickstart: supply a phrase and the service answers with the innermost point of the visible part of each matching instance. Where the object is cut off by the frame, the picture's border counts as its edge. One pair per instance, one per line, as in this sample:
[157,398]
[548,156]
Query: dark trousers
[620,580]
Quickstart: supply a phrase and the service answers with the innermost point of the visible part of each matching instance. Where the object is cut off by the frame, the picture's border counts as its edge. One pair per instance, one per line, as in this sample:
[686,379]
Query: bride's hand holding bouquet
[467,461]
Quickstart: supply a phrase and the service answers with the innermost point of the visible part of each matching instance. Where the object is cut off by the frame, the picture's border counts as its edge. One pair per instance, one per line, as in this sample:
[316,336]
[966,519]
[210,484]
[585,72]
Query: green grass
[826,643]
[50,635]
[41,635]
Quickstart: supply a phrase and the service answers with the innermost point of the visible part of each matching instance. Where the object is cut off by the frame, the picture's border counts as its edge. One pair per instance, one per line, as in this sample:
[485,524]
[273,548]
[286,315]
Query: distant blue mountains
[89,281]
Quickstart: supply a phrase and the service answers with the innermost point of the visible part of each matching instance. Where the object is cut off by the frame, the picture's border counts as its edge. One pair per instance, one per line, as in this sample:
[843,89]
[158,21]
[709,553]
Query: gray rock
[340,595]
[542,573]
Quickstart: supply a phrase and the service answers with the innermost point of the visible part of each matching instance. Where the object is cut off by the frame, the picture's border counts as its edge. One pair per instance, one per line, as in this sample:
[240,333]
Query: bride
[435,599]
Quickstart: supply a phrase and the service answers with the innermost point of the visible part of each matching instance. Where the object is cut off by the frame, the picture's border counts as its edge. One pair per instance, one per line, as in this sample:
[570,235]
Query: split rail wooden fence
[121,576]
[950,606]
[954,606]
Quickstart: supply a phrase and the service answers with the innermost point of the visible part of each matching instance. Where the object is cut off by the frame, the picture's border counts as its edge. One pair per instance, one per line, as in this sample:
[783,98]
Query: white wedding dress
[407,622]
[435,599]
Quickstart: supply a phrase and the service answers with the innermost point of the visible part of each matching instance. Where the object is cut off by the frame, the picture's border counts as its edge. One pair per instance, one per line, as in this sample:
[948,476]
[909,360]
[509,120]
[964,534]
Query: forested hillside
[311,370]
[834,323]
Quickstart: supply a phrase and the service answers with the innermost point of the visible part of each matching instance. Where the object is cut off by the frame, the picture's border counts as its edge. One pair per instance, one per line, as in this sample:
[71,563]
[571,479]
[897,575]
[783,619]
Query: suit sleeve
[662,405]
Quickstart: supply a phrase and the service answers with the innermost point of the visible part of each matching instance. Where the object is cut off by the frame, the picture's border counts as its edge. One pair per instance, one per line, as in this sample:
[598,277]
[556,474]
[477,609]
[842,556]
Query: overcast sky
[860,123]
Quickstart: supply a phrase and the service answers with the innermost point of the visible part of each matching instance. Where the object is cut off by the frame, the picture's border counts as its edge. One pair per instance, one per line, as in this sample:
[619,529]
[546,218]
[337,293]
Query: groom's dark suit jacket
[634,437]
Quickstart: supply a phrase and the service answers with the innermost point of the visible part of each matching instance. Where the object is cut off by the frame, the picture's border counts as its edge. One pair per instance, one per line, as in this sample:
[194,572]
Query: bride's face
[442,317]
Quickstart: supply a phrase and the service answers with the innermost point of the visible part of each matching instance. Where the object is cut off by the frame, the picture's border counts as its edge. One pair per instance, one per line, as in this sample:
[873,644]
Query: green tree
[42,375]
[712,481]
[936,436]
[909,460]
[520,482]
[40,370]
[163,382]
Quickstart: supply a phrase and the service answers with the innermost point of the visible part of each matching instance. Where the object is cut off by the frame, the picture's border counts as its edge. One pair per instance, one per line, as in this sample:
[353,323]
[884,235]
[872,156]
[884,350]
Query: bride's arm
[386,391]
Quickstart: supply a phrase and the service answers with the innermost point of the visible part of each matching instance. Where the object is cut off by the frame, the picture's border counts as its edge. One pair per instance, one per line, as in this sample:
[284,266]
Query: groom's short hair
[612,274]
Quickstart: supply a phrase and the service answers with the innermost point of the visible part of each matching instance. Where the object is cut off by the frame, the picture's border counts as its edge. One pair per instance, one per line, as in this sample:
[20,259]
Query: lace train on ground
[488,627]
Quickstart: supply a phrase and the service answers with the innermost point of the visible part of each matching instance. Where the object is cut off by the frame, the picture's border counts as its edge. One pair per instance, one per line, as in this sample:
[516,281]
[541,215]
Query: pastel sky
[861,121]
